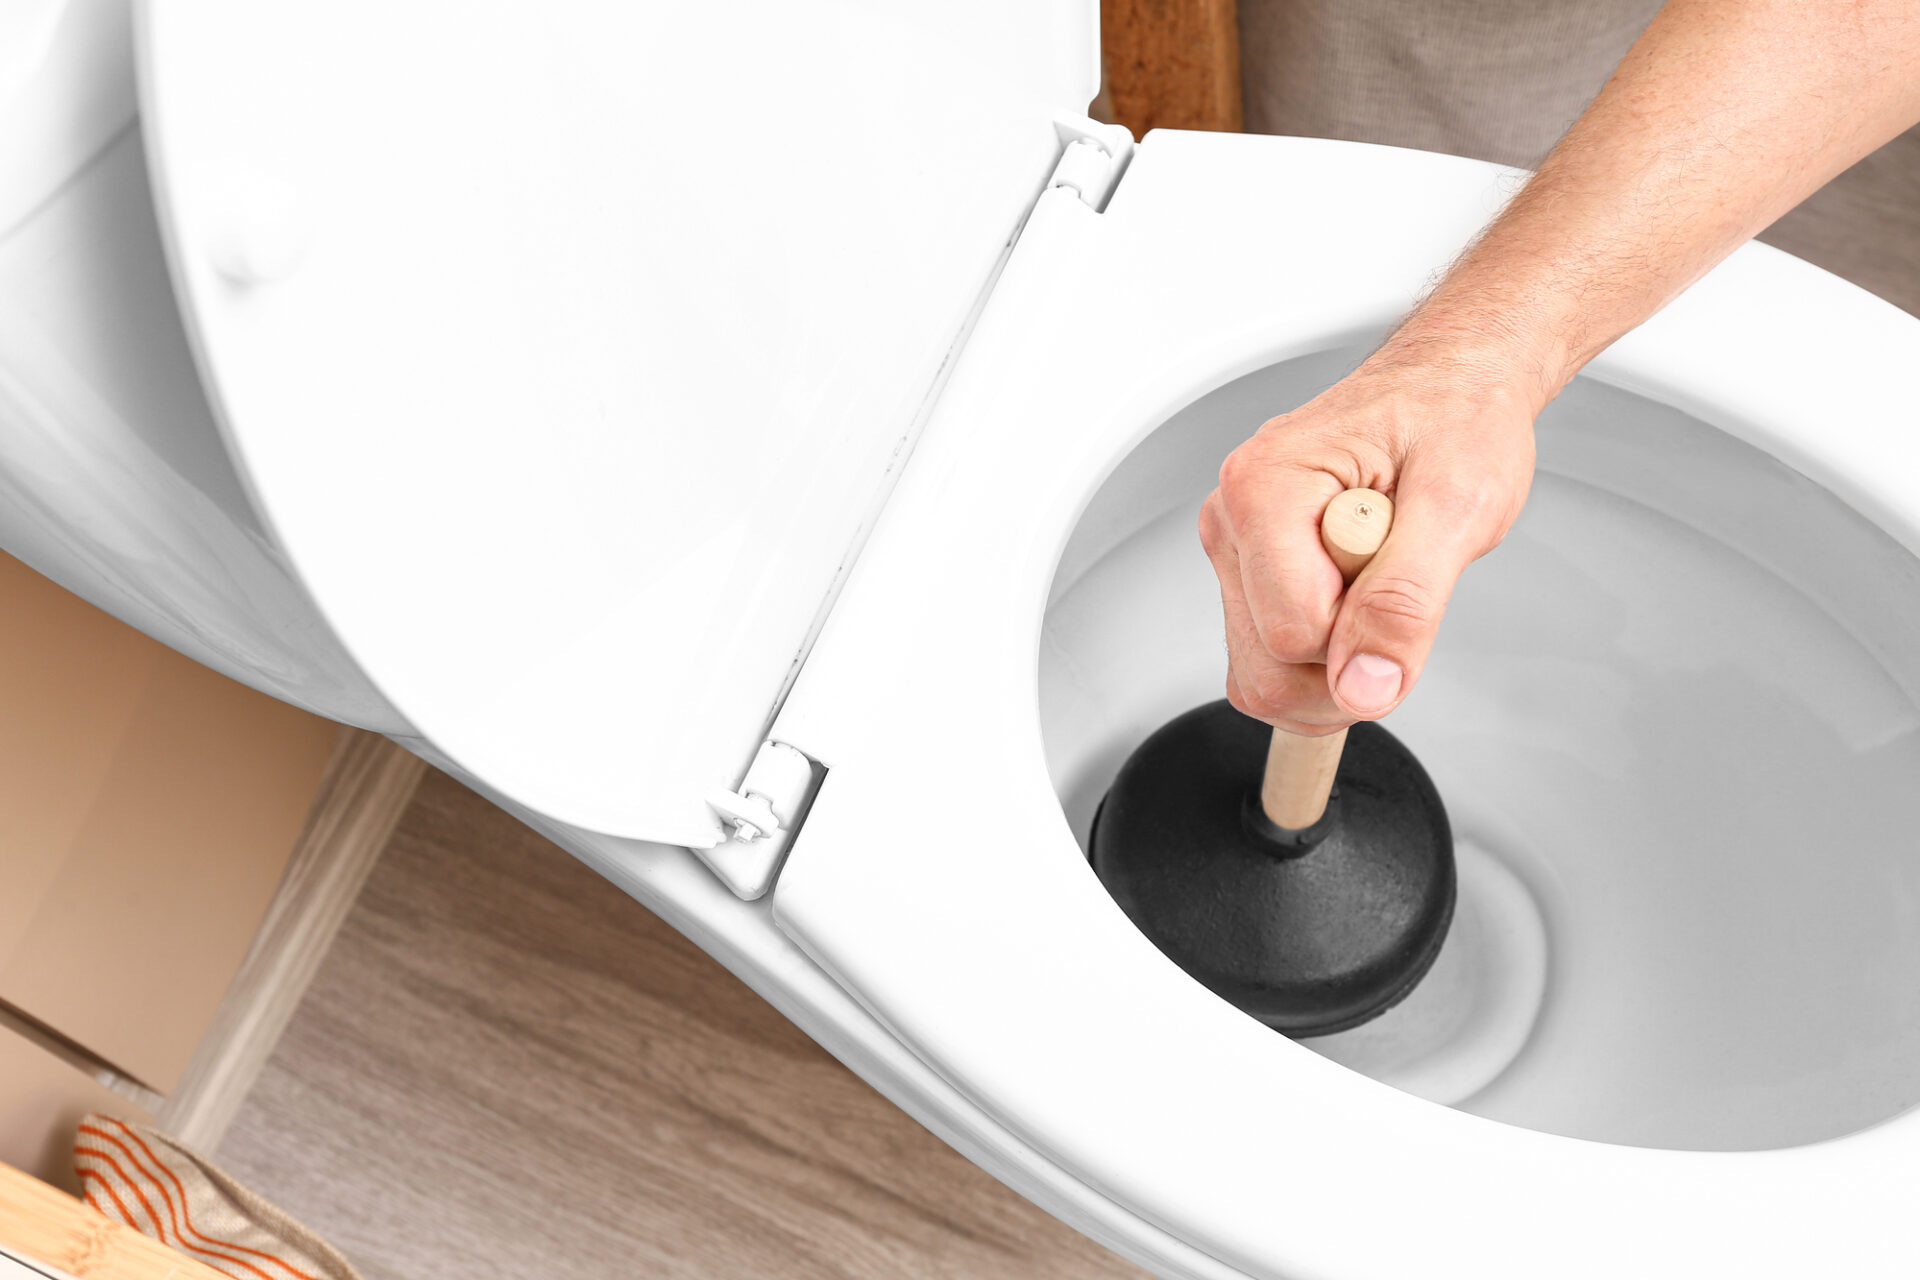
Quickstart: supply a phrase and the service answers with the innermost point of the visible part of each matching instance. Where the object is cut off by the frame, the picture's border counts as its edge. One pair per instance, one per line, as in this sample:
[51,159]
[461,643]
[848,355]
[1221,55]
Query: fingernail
[1370,682]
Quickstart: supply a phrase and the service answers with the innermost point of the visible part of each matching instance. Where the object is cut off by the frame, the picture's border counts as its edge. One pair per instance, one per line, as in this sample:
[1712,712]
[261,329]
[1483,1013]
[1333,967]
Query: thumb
[1390,615]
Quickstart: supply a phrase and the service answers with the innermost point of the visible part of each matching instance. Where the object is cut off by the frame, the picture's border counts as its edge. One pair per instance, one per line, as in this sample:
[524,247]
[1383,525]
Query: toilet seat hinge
[1092,158]
[762,817]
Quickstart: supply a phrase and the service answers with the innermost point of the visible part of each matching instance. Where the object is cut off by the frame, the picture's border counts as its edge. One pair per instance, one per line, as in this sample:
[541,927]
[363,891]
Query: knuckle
[1237,700]
[1273,694]
[1213,530]
[1235,477]
[1247,475]
[1294,640]
[1469,498]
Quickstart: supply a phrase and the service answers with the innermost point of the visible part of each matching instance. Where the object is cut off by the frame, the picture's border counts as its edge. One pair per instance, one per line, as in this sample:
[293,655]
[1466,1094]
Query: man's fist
[1455,453]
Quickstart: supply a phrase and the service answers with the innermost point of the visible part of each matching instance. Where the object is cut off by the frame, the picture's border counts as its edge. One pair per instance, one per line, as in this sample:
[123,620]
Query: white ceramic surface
[939,879]
[114,480]
[570,351]
[66,89]
[1678,702]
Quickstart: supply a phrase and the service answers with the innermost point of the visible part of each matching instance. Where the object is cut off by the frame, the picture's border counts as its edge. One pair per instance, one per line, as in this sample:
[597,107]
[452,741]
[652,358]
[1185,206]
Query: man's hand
[1453,449]
[1724,115]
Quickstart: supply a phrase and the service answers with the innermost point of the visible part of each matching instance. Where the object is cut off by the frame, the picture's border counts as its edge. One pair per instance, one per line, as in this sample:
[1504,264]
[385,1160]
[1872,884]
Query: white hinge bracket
[761,817]
[1092,158]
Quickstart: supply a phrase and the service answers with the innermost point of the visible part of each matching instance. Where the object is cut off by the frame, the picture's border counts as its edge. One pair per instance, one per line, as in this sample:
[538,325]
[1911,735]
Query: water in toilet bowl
[1639,707]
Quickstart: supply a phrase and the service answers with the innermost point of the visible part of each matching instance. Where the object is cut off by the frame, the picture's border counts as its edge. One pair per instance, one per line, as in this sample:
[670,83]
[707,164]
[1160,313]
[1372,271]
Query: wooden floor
[507,1067]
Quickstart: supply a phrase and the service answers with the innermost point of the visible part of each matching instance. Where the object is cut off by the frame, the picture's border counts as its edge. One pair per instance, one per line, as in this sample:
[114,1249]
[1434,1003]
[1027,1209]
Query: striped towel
[153,1184]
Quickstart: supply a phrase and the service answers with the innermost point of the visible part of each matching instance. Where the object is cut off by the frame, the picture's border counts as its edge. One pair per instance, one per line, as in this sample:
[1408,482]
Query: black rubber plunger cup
[1308,885]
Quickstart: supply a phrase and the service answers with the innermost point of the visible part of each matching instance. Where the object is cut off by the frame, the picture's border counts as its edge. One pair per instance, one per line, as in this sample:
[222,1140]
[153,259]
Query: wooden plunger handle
[1300,770]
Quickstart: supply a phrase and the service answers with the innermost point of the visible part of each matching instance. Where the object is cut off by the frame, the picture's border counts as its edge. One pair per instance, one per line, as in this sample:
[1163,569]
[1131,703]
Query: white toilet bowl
[848,732]
[1691,655]
[1677,704]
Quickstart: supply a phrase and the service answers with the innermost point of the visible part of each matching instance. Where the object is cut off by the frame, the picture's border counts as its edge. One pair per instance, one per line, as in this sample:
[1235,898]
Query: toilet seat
[937,878]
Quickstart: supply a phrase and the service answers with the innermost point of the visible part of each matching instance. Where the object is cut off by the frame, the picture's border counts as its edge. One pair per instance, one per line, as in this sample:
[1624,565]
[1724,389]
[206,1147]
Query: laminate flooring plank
[507,1067]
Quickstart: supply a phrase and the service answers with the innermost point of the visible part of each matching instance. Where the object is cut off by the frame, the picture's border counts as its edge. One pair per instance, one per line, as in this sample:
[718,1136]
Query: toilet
[760,448]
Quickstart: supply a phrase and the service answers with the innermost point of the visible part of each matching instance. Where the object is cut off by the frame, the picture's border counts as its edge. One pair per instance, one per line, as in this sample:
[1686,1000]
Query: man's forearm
[1725,114]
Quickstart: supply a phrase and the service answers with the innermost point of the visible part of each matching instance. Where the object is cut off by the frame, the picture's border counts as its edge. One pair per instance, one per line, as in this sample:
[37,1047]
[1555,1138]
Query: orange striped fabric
[145,1179]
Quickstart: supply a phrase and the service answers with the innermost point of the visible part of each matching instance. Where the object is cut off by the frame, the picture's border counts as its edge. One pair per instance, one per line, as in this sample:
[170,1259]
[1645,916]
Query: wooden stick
[1300,770]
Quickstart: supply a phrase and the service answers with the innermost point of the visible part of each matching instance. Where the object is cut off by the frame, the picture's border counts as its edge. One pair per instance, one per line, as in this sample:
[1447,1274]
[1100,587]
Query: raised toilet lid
[568,349]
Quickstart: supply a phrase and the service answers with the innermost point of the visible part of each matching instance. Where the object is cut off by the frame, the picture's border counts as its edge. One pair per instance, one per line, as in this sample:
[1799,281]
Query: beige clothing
[1493,79]
[1502,79]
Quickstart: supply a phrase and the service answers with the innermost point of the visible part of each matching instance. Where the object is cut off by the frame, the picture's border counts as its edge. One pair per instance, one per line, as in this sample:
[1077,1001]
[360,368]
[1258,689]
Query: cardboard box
[147,810]
[42,1098]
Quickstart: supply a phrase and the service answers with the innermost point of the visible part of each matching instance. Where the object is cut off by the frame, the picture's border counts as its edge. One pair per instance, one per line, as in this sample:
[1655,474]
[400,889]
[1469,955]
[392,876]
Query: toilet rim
[1051,1041]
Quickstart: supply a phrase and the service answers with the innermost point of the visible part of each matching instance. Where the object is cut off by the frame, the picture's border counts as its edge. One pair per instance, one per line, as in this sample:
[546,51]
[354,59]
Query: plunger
[1310,881]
